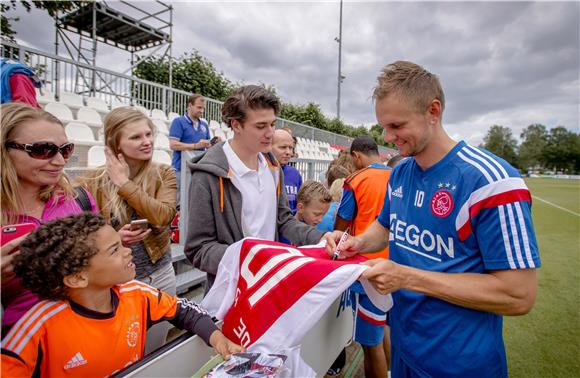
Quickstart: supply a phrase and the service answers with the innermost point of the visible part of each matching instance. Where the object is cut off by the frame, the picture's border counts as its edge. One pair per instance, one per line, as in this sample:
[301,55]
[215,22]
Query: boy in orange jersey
[312,202]
[94,318]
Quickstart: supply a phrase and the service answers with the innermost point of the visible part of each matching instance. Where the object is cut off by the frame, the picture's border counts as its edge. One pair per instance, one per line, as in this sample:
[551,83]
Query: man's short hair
[55,250]
[412,82]
[313,191]
[248,97]
[191,100]
[364,144]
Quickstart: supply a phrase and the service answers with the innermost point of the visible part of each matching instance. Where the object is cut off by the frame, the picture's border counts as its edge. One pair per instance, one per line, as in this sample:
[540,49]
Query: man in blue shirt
[190,132]
[283,150]
[463,250]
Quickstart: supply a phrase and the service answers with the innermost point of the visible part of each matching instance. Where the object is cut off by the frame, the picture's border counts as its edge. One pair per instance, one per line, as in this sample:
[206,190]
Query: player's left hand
[223,345]
[385,275]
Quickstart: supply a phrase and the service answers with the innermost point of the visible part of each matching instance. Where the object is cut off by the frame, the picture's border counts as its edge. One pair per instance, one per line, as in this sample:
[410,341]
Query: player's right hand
[350,247]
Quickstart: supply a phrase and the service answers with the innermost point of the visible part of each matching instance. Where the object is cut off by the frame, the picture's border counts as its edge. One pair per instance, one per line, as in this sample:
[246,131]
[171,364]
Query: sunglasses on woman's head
[43,150]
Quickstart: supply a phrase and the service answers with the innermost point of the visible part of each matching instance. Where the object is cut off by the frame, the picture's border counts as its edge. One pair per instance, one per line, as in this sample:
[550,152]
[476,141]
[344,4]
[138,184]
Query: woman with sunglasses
[34,150]
[130,186]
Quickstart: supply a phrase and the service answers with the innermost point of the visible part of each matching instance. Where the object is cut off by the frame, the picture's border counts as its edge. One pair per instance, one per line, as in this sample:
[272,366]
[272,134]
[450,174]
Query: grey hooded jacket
[215,212]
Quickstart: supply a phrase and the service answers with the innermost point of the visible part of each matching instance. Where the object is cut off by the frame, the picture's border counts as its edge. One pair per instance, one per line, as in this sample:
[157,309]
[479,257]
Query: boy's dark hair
[311,191]
[55,250]
[248,97]
[364,144]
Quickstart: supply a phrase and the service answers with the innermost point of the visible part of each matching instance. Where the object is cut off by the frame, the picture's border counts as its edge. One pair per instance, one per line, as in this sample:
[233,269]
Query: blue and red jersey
[470,212]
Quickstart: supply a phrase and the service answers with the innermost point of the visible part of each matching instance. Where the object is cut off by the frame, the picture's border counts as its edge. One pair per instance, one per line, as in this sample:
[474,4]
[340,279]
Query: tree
[191,72]
[562,151]
[500,141]
[194,73]
[534,140]
[52,7]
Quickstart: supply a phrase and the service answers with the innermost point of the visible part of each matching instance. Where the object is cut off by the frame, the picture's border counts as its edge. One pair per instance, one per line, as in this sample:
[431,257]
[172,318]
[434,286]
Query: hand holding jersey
[270,295]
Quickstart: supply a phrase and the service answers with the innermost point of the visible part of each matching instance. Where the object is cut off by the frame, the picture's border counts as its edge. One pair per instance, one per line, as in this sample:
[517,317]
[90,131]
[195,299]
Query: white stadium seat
[60,111]
[118,104]
[161,126]
[171,116]
[161,157]
[96,156]
[44,98]
[161,142]
[214,125]
[142,109]
[158,114]
[89,116]
[79,133]
[98,104]
[72,100]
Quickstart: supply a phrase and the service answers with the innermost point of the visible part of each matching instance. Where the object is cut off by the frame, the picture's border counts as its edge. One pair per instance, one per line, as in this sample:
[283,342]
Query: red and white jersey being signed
[270,294]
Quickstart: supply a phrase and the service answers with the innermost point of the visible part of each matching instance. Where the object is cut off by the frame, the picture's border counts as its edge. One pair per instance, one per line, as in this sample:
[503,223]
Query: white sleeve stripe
[515,236]
[506,239]
[486,191]
[40,322]
[142,288]
[32,315]
[389,190]
[484,161]
[476,165]
[185,303]
[525,240]
[492,160]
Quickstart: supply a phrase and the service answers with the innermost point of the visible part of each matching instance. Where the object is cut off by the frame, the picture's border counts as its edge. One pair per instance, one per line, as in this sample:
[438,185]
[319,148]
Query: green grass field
[546,342]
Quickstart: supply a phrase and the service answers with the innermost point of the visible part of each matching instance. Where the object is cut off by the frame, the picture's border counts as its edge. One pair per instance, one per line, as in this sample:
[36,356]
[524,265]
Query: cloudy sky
[503,63]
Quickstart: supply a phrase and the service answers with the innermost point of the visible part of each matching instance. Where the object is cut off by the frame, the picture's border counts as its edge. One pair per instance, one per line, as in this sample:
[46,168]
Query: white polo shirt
[258,188]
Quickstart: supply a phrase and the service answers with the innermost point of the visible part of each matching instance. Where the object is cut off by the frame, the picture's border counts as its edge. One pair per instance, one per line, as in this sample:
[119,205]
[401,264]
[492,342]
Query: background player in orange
[94,318]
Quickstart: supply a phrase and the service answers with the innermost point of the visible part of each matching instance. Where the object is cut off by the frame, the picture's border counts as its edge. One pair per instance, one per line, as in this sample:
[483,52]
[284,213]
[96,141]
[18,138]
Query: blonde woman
[34,150]
[130,186]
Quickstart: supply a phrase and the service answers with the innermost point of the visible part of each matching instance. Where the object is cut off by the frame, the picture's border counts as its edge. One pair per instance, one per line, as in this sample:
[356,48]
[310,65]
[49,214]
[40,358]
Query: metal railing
[59,73]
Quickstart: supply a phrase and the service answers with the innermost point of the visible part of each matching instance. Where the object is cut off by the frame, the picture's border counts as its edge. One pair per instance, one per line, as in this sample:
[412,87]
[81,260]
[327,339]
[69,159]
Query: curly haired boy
[94,317]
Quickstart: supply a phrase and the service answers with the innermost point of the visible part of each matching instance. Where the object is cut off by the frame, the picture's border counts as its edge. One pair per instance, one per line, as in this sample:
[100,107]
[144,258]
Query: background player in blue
[462,245]
[189,132]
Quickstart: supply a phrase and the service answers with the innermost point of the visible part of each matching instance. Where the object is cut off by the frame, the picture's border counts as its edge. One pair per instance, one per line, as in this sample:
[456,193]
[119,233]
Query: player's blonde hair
[411,81]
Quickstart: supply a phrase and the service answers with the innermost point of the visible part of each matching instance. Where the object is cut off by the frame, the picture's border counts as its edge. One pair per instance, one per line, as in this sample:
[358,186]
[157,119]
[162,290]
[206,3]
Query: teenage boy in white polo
[237,187]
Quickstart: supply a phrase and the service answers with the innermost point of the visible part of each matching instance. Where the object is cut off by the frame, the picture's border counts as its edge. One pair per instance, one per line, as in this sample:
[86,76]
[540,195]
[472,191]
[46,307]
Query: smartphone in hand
[14,231]
[139,224]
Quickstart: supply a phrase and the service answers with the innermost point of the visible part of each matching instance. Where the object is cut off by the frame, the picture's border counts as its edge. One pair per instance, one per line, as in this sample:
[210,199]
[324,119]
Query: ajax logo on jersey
[442,203]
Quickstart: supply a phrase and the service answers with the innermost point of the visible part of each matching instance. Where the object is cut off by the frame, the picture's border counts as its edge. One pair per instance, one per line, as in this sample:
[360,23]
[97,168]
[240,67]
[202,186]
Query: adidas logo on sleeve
[398,192]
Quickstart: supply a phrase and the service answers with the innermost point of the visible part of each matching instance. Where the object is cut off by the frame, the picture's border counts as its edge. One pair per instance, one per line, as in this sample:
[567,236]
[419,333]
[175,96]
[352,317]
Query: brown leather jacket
[156,203]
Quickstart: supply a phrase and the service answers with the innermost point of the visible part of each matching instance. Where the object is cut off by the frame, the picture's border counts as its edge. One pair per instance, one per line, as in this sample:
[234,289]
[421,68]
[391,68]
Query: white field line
[556,206]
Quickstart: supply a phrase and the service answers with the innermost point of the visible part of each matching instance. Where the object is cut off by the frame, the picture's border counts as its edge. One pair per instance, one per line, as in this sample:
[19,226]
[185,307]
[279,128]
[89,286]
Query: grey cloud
[510,62]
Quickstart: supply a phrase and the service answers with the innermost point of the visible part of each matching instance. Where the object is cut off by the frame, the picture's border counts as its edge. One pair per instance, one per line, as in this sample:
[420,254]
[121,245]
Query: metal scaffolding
[98,22]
